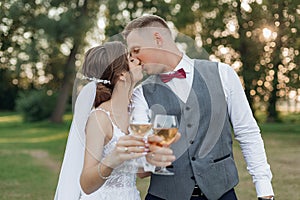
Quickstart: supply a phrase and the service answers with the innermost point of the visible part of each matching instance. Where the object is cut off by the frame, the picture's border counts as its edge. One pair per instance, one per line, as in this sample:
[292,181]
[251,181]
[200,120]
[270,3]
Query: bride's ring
[126,150]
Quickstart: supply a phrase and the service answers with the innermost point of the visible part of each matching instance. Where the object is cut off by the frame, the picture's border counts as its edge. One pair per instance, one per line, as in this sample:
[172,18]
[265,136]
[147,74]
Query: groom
[207,97]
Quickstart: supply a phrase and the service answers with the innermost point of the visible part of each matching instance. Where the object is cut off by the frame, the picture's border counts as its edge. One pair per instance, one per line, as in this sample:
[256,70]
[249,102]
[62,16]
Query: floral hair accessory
[97,80]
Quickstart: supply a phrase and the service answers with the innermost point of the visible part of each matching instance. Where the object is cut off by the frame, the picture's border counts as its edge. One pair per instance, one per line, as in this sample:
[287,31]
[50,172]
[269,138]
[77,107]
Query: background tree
[41,41]
[282,71]
[235,32]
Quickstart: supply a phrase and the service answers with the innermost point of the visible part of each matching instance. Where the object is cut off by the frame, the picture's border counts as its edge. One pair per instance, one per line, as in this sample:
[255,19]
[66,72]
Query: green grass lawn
[31,155]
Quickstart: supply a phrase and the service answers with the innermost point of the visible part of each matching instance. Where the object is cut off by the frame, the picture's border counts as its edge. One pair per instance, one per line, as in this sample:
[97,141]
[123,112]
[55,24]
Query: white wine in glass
[140,122]
[168,135]
[165,126]
[140,130]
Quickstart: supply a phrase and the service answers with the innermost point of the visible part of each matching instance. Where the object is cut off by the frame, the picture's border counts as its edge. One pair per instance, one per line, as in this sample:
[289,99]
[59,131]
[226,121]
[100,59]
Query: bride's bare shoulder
[99,120]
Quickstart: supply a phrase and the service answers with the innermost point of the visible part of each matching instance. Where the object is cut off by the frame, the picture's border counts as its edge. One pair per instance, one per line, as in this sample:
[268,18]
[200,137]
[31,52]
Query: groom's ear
[158,39]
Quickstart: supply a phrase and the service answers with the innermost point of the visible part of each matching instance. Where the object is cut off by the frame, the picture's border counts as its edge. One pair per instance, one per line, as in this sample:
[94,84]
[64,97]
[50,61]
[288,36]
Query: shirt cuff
[147,166]
[264,188]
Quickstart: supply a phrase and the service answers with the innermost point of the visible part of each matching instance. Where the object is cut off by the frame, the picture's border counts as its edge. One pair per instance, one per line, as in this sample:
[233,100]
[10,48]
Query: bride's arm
[95,169]
[97,134]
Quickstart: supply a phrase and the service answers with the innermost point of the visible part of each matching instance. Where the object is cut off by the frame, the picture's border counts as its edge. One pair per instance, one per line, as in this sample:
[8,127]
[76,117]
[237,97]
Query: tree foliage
[40,43]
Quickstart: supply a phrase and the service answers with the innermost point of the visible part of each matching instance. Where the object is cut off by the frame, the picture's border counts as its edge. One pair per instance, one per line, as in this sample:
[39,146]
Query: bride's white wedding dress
[122,181]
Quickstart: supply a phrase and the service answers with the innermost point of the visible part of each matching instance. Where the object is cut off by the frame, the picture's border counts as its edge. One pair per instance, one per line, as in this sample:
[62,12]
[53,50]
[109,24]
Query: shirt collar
[186,63]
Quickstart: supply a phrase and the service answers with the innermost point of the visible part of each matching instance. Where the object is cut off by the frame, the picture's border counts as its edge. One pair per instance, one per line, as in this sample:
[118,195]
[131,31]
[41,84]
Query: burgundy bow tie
[176,74]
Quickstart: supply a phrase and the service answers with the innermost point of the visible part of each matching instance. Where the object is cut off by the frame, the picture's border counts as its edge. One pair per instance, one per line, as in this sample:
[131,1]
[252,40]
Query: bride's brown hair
[105,62]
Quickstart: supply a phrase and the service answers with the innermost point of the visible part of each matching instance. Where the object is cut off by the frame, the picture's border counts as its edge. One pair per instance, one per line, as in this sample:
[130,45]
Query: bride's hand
[128,147]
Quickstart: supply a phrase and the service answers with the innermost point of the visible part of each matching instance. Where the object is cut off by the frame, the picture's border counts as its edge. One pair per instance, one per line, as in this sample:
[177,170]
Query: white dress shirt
[246,130]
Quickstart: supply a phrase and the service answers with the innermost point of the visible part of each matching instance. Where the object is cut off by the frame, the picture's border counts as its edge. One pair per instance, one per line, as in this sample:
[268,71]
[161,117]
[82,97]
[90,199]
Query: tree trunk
[248,63]
[246,73]
[69,72]
[59,110]
[272,111]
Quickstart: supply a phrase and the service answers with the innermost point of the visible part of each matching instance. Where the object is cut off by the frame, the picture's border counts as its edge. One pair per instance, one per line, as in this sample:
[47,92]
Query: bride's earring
[122,78]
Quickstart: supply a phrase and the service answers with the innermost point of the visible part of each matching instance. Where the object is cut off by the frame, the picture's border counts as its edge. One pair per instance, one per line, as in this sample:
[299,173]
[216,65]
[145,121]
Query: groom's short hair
[145,21]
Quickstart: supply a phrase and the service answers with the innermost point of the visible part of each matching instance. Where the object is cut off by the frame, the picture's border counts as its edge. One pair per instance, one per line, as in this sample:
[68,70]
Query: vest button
[193,177]
[193,158]
[189,125]
[191,141]
[187,108]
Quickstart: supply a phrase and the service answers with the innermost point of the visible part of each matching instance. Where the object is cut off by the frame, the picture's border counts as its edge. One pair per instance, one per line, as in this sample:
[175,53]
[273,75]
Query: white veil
[68,187]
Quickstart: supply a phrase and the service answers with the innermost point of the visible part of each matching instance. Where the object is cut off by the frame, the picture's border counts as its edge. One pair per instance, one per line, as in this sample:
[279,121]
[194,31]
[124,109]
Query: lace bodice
[122,181]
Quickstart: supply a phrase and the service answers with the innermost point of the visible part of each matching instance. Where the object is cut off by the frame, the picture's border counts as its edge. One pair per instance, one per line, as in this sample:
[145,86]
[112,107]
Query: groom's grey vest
[204,152]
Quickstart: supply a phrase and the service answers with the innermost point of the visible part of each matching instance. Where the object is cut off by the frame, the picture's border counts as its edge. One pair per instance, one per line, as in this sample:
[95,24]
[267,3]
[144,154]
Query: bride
[97,163]
[106,174]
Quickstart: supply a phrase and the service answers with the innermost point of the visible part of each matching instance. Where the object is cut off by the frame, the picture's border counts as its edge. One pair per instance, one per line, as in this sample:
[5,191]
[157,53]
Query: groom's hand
[158,155]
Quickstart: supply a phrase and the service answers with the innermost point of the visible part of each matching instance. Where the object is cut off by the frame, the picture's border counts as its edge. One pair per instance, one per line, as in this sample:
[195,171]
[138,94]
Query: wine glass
[140,124]
[165,126]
